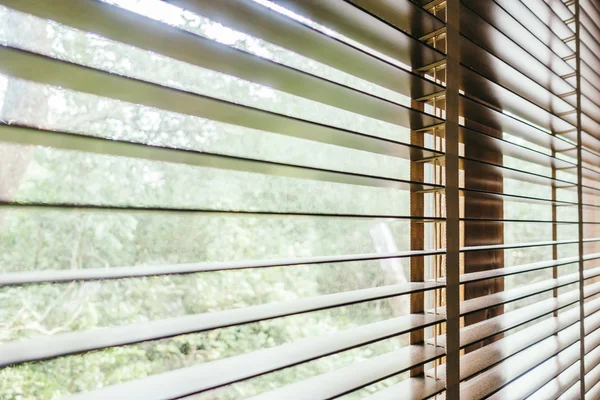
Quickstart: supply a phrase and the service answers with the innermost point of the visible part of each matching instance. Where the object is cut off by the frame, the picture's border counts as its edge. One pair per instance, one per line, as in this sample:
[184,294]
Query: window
[220,200]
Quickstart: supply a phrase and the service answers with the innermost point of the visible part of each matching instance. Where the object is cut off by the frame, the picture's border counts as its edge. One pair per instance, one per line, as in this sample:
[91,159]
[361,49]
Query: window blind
[300,199]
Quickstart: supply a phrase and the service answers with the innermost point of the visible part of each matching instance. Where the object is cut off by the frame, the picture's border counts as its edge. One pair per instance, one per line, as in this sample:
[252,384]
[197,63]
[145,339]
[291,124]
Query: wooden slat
[336,383]
[494,379]
[552,13]
[348,20]
[256,20]
[548,371]
[89,274]
[537,20]
[506,29]
[481,115]
[480,87]
[136,30]
[496,299]
[494,42]
[528,363]
[482,330]
[199,378]
[573,392]
[410,389]
[558,373]
[402,14]
[124,148]
[77,342]
[489,143]
[560,384]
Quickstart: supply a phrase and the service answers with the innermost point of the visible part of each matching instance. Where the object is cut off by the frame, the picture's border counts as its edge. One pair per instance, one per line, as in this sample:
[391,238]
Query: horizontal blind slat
[512,319]
[536,364]
[495,299]
[539,376]
[521,175]
[78,342]
[494,379]
[404,15]
[414,388]
[483,358]
[593,393]
[499,272]
[494,42]
[124,148]
[336,383]
[24,65]
[206,376]
[346,19]
[553,15]
[532,19]
[209,211]
[499,71]
[560,385]
[521,152]
[592,377]
[480,87]
[259,21]
[505,28]
[479,113]
[181,45]
[88,274]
